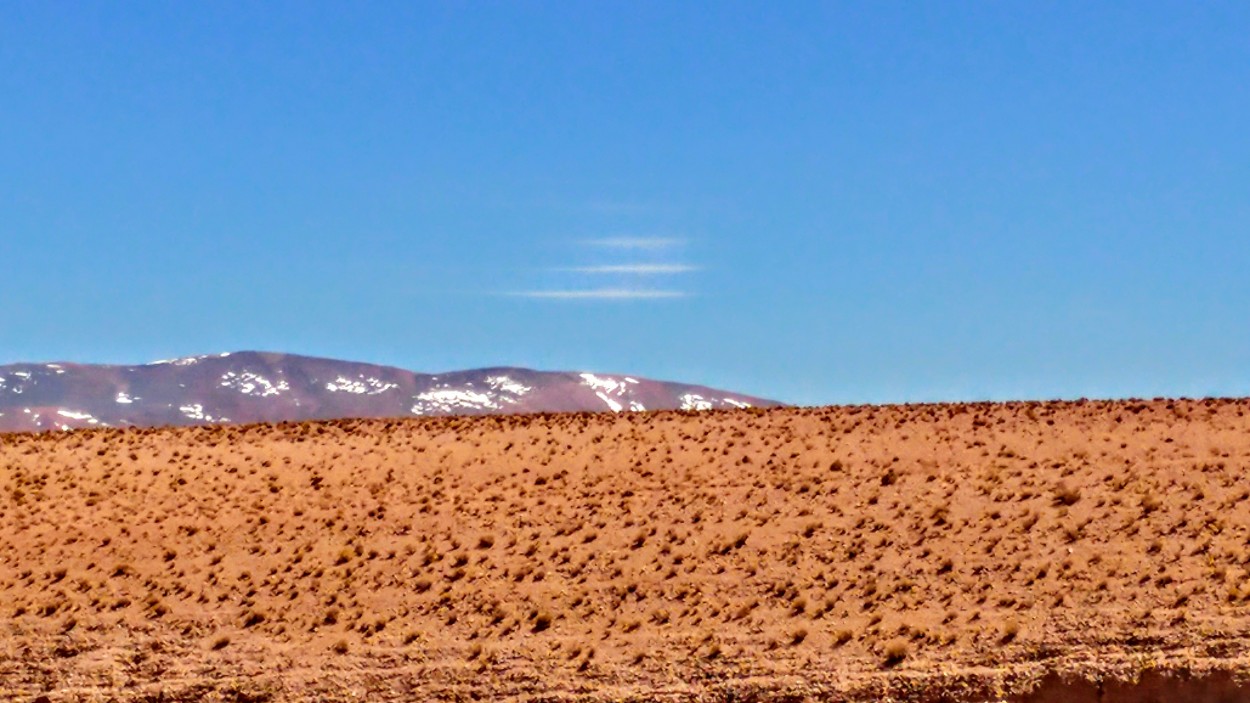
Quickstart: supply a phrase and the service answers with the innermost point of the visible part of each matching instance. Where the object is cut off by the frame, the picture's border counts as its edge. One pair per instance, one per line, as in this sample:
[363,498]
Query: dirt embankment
[1026,552]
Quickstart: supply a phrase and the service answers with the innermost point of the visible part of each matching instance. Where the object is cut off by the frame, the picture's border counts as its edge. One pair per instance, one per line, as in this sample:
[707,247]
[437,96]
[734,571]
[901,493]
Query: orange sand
[930,552]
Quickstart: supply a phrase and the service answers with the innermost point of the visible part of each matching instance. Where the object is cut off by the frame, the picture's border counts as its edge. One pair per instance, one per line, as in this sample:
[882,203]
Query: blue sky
[817,202]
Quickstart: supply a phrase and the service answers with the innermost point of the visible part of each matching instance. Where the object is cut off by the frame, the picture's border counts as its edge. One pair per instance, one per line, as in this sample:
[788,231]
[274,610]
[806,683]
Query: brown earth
[1089,551]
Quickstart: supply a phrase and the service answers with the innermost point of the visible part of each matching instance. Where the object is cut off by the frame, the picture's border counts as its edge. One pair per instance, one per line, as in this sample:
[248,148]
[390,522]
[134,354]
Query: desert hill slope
[1090,551]
[249,387]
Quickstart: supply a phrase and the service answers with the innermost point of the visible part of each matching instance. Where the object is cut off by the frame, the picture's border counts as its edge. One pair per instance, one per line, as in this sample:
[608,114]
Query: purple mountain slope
[266,387]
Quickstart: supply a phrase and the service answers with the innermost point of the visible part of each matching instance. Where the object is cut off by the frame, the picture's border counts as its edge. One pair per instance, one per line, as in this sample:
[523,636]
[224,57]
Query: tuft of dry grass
[1066,494]
[895,651]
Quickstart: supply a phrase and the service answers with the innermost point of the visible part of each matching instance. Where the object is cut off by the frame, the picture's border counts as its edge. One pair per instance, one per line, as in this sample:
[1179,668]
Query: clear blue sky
[818,202]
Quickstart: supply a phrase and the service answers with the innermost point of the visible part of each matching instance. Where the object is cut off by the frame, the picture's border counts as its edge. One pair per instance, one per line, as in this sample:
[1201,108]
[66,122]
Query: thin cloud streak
[599,294]
[634,269]
[636,242]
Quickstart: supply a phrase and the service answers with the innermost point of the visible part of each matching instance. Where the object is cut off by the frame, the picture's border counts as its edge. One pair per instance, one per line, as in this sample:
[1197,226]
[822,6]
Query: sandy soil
[1030,552]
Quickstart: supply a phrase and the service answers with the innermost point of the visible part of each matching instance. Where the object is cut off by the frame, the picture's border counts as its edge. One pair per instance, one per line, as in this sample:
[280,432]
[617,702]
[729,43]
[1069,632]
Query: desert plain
[1049,551]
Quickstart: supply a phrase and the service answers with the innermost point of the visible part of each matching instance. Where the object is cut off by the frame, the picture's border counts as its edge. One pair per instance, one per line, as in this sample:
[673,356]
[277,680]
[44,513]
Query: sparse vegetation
[641,549]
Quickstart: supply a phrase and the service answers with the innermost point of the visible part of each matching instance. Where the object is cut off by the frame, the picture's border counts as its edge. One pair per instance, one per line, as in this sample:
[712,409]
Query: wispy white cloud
[623,268]
[636,242]
[600,294]
[634,269]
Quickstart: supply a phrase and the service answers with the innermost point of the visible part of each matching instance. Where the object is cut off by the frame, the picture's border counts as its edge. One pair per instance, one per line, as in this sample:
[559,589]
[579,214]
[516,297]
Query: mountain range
[249,387]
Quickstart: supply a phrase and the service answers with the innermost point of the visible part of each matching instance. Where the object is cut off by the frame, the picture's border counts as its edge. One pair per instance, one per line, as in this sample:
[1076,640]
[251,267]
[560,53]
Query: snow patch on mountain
[446,400]
[505,384]
[16,381]
[195,411]
[612,404]
[607,384]
[187,360]
[694,401]
[362,385]
[74,415]
[249,383]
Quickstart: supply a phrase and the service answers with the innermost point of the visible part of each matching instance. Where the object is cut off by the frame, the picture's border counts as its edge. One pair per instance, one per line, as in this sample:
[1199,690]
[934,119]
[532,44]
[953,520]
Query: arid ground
[1025,551]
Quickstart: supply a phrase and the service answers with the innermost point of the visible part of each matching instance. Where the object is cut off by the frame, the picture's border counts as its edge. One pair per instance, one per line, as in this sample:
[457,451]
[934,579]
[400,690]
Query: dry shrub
[895,652]
[1066,494]
[1011,629]
[542,621]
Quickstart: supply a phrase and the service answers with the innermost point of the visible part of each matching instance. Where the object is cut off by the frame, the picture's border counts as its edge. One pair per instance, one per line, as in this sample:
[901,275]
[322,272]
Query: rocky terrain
[249,387]
[1082,551]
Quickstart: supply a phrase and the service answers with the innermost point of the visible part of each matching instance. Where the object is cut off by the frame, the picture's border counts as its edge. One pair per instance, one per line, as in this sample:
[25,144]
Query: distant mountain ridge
[244,387]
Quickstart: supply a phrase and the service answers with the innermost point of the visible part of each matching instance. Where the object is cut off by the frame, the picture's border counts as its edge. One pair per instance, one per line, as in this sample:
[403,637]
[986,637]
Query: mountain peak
[260,386]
